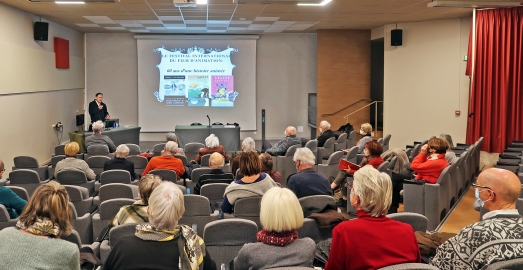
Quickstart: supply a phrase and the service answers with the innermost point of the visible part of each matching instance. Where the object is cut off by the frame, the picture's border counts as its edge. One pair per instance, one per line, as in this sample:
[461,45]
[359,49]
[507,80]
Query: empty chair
[114,235]
[380,141]
[139,163]
[107,210]
[158,148]
[341,142]
[285,164]
[25,178]
[96,163]
[115,176]
[75,178]
[313,146]
[248,208]
[214,192]
[79,196]
[330,168]
[117,190]
[191,150]
[415,151]
[30,163]
[417,221]
[205,160]
[409,266]
[386,142]
[82,224]
[54,161]
[325,151]
[197,212]
[182,158]
[133,149]
[5,220]
[166,175]
[351,139]
[98,150]
[59,150]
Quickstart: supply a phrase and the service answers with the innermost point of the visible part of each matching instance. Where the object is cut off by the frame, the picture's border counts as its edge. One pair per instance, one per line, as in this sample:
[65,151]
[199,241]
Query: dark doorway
[376,80]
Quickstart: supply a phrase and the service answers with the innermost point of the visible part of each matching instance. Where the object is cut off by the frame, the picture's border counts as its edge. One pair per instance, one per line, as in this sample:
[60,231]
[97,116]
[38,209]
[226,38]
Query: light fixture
[201,2]
[320,4]
[69,2]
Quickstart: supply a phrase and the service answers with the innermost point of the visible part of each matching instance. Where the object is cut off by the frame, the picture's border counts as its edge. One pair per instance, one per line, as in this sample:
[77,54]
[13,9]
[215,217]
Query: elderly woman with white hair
[98,139]
[376,244]
[248,145]
[325,133]
[307,182]
[213,145]
[162,243]
[120,162]
[278,244]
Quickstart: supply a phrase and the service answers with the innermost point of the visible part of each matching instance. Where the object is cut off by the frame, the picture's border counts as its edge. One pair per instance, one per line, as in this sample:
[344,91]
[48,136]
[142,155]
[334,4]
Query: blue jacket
[308,183]
[12,202]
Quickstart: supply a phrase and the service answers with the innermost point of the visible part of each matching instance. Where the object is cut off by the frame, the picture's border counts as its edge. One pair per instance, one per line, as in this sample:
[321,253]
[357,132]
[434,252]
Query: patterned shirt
[280,148]
[134,213]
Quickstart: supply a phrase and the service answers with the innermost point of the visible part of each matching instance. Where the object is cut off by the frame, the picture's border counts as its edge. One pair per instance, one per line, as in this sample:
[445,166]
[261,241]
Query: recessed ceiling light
[201,2]
[320,4]
[69,2]
[242,19]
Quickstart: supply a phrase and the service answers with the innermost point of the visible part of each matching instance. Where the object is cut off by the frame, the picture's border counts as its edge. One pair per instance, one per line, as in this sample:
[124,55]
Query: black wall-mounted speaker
[41,30]
[396,37]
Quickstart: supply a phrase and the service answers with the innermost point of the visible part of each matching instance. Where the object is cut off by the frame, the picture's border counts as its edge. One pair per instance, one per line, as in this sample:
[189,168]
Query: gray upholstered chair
[384,167]
[417,221]
[82,224]
[386,142]
[157,149]
[195,175]
[98,149]
[59,150]
[352,154]
[73,237]
[214,192]
[134,149]
[311,229]
[167,175]
[325,151]
[351,139]
[204,162]
[114,235]
[115,191]
[115,176]
[5,220]
[415,151]
[248,208]
[30,163]
[139,163]
[25,178]
[224,238]
[341,142]
[313,146]
[409,266]
[79,196]
[197,211]
[75,178]
[191,150]
[330,168]
[286,164]
[54,161]
[107,210]
[20,192]
[96,163]
[318,202]
[182,158]
[514,264]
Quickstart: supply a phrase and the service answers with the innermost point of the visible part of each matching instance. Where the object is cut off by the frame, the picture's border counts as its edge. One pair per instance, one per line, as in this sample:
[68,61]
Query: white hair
[248,144]
[122,151]
[171,137]
[216,161]
[280,210]
[325,125]
[304,155]
[166,206]
[374,190]
[212,141]
[98,126]
[171,146]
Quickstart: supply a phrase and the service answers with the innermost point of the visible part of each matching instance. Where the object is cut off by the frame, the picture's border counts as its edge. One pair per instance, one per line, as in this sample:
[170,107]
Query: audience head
[437,145]
[290,131]
[170,147]
[99,97]
[497,189]
[171,137]
[212,141]
[448,140]
[280,210]
[365,129]
[71,149]
[50,201]
[98,126]
[324,126]
[373,148]
[166,206]
[266,163]
[146,186]
[371,191]
[216,161]
[249,164]
[2,168]
[304,158]
[122,151]
[248,145]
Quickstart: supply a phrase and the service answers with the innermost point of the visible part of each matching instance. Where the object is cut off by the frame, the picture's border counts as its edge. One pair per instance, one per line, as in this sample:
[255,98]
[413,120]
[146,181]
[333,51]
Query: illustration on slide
[222,91]
[198,94]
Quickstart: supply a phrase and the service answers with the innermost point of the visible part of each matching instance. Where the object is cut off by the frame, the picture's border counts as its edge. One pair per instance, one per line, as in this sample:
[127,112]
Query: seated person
[372,157]
[216,161]
[325,133]
[367,242]
[35,241]
[449,155]
[171,137]
[307,181]
[366,133]
[497,190]
[71,162]
[213,145]
[137,212]
[278,243]
[266,161]
[161,243]
[253,183]
[280,148]
[247,145]
[14,204]
[120,162]
[428,165]
[166,161]
[98,139]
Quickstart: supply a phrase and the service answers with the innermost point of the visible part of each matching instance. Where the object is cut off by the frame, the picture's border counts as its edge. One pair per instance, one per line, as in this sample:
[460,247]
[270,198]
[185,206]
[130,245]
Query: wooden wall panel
[343,75]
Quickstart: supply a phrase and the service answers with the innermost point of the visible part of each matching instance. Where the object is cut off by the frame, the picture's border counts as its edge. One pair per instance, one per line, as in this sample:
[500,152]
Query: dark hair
[375,148]
[97,94]
[250,164]
[439,145]
[266,164]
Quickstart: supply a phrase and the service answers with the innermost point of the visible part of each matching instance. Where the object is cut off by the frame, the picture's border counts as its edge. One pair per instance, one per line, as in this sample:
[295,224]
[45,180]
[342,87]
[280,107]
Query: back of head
[212,141]
[146,186]
[448,139]
[280,210]
[374,190]
[171,146]
[248,144]
[290,130]
[71,149]
[325,125]
[216,161]
[504,183]
[122,151]
[98,126]
[375,148]
[171,137]
[249,164]
[367,128]
[305,156]
[266,163]
[49,201]
[166,206]
[439,145]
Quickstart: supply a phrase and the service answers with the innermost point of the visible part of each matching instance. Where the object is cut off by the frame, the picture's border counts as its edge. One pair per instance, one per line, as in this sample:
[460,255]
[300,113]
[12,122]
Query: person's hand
[347,170]
[424,149]
[100,107]
[107,116]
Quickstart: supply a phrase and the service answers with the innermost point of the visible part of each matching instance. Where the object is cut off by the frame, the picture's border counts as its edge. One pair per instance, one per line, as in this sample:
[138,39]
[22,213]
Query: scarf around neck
[276,238]
[42,226]
[188,241]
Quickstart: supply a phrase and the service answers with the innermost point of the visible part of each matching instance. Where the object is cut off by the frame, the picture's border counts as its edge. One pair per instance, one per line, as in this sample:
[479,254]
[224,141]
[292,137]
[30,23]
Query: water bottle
[195,227]
[114,124]
[188,191]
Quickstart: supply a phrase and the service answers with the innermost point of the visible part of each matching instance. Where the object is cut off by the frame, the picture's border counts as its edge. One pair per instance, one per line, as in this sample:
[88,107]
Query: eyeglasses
[3,170]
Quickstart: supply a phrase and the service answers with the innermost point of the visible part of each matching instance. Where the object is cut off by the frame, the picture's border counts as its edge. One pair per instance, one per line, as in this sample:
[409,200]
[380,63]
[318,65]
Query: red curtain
[496,96]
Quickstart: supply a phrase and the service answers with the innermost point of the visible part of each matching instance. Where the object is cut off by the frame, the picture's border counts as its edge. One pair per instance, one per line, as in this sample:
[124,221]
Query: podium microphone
[209,121]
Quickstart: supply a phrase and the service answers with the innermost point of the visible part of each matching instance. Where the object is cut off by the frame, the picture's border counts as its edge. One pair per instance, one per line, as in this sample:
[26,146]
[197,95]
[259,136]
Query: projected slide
[196,77]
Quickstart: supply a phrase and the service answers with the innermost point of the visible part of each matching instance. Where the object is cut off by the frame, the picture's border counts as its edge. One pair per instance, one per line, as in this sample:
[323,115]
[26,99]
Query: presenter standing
[98,110]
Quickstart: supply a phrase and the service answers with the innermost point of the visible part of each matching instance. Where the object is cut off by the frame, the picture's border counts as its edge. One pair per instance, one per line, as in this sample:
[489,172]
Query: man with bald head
[488,241]
[280,148]
[216,175]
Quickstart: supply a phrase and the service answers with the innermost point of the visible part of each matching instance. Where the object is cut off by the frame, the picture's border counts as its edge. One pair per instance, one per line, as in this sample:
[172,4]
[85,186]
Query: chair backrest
[109,208]
[98,149]
[508,264]
[24,176]
[121,230]
[76,193]
[158,148]
[134,149]
[25,162]
[116,191]
[352,153]
[214,191]
[342,138]
[386,140]
[317,202]
[196,205]
[4,215]
[56,159]
[247,207]
[383,167]
[97,161]
[167,175]
[444,175]
[380,141]
[71,177]
[205,160]
[73,237]
[20,192]
[182,158]
[312,145]
[115,176]
[409,266]
[291,150]
[415,151]
[392,163]
[59,150]
[196,173]
[191,150]
[417,221]
[139,161]
[329,142]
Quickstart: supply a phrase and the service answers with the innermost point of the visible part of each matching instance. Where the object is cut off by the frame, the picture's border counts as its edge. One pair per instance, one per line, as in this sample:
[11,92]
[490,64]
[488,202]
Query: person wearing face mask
[488,241]
[366,133]
[372,157]
[326,133]
[307,181]
[280,148]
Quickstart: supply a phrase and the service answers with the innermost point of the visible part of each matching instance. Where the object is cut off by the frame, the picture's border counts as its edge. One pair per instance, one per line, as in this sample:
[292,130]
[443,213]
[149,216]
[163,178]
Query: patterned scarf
[189,242]
[276,238]
[42,226]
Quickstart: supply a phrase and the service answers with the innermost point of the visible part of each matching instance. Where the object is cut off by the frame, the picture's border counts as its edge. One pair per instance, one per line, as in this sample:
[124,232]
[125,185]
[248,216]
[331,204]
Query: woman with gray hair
[248,145]
[213,145]
[374,247]
[162,243]
[450,156]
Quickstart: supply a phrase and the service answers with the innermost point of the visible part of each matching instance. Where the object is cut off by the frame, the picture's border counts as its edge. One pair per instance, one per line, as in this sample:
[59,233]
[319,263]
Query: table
[119,135]
[229,136]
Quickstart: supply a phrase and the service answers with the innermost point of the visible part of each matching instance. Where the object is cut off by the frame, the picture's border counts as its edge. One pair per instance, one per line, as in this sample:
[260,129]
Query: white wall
[32,100]
[425,82]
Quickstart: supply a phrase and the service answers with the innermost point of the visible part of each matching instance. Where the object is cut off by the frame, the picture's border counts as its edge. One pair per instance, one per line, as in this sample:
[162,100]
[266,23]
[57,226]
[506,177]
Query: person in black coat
[98,109]
[326,133]
[119,162]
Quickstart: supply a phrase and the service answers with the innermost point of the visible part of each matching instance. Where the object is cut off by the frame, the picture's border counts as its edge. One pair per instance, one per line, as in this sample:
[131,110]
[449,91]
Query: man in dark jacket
[98,109]
[216,162]
[326,133]
[119,162]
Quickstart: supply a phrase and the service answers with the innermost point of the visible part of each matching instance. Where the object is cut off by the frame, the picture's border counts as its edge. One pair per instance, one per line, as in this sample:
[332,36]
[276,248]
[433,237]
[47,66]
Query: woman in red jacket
[372,157]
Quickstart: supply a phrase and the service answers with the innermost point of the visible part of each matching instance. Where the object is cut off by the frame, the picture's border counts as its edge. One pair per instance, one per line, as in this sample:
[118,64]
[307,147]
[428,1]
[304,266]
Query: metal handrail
[368,105]
[329,114]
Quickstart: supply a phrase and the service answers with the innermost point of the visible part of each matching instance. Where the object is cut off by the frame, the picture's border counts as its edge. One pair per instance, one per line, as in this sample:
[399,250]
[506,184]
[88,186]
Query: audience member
[137,212]
[120,162]
[496,190]
[247,145]
[449,155]
[325,133]
[267,164]
[14,204]
[71,162]
[307,181]
[35,241]
[371,241]
[213,145]
[366,133]
[166,161]
[280,148]
[372,157]
[253,183]
[98,139]
[278,243]
[171,137]
[216,162]
[161,243]
[428,165]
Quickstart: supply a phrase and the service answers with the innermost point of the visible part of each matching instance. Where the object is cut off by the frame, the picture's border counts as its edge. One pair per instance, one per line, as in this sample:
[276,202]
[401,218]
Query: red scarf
[276,238]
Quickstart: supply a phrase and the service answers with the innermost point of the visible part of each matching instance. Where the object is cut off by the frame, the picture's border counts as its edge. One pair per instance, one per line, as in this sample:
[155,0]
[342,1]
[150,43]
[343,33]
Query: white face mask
[362,133]
[366,152]
[285,133]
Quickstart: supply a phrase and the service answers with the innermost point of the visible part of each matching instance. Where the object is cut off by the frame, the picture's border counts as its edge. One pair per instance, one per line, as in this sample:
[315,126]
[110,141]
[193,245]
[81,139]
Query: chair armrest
[414,182]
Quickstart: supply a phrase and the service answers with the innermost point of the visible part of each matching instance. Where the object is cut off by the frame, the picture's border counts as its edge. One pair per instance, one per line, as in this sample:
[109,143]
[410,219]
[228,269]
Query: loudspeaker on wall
[396,37]
[41,29]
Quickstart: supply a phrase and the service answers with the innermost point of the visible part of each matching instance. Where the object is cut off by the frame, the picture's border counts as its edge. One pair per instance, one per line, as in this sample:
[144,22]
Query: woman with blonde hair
[278,244]
[368,241]
[71,162]
[35,241]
